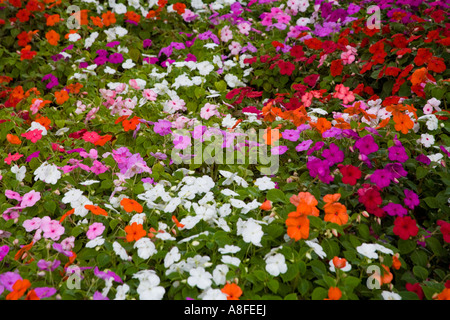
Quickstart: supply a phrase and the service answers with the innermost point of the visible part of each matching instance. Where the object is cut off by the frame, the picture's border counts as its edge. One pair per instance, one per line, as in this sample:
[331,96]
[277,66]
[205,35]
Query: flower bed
[222,150]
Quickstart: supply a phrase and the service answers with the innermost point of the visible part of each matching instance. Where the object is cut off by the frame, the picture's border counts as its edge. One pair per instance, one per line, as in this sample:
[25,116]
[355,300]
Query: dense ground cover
[256,149]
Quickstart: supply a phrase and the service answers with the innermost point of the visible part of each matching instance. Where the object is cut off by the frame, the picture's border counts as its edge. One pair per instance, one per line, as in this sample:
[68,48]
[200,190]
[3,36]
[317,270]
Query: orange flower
[52,37]
[298,227]
[31,295]
[334,293]
[61,96]
[271,135]
[232,290]
[108,18]
[134,232]
[403,123]
[103,139]
[339,262]
[386,276]
[96,210]
[396,264]
[444,295]
[177,223]
[19,288]
[13,139]
[97,21]
[53,19]
[270,112]
[74,87]
[65,215]
[130,205]
[419,76]
[306,205]
[130,124]
[44,121]
[383,123]
[22,250]
[179,7]
[335,212]
[321,125]
[266,205]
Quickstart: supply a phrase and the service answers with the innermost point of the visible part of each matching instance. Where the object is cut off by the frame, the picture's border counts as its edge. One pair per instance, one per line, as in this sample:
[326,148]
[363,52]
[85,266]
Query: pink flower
[181,142]
[29,199]
[427,109]
[235,48]
[226,34]
[33,135]
[91,136]
[344,94]
[13,195]
[347,57]
[208,111]
[10,158]
[32,224]
[149,94]
[52,228]
[93,154]
[95,230]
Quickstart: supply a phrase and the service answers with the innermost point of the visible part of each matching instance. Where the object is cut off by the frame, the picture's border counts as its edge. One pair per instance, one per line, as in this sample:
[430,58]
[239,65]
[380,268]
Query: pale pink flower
[29,199]
[32,224]
[208,111]
[149,94]
[95,230]
[226,34]
[235,48]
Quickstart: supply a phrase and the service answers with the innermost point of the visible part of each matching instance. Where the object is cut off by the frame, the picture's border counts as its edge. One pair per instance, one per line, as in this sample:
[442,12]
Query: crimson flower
[350,174]
[286,68]
[405,227]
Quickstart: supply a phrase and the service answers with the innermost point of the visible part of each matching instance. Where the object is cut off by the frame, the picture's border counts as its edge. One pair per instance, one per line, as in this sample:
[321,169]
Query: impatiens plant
[224,150]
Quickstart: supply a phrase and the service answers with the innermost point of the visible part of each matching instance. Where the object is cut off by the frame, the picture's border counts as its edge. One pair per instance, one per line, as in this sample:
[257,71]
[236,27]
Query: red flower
[415,288]
[336,67]
[286,67]
[405,227]
[23,15]
[445,229]
[437,65]
[423,56]
[350,174]
[297,51]
[313,43]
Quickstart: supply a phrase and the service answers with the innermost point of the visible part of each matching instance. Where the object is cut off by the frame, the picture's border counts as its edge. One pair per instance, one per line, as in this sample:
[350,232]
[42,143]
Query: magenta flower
[115,58]
[3,251]
[319,169]
[397,153]
[98,167]
[304,145]
[181,142]
[279,150]
[366,145]
[29,199]
[95,230]
[291,135]
[411,199]
[162,127]
[333,154]
[395,209]
[381,178]
[48,265]
[44,292]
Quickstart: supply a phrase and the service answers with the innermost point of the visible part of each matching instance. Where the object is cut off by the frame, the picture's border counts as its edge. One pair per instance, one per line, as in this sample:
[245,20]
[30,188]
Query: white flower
[231,260]
[316,247]
[146,248]
[368,250]
[121,292]
[128,64]
[250,230]
[264,183]
[224,210]
[172,205]
[172,256]
[109,70]
[276,264]
[200,278]
[36,125]
[149,288]
[233,81]
[139,218]
[220,274]
[427,140]
[387,295]
[121,252]
[90,40]
[61,131]
[120,31]
[95,242]
[229,249]
[213,294]
[73,37]
[20,172]
[229,193]
[89,182]
[205,68]
[48,173]
[119,8]
[383,249]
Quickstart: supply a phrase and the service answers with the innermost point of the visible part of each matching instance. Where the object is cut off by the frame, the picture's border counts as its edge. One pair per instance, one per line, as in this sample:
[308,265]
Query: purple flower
[58,247]
[8,279]
[279,150]
[190,57]
[366,145]
[146,43]
[395,209]
[397,153]
[100,60]
[106,275]
[444,150]
[333,154]
[102,53]
[423,158]
[99,296]
[396,170]
[112,44]
[381,177]
[411,199]
[3,251]
[304,145]
[316,147]
[291,135]
[115,58]
[44,292]
[98,167]
[162,127]
[319,169]
[333,133]
[48,265]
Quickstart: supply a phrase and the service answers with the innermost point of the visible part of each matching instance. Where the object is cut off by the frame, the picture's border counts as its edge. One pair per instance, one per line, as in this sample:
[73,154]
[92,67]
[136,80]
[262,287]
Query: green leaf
[276,195]
[435,246]
[221,85]
[50,206]
[406,246]
[273,285]
[291,296]
[420,272]
[364,231]
[103,259]
[432,202]
[319,293]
